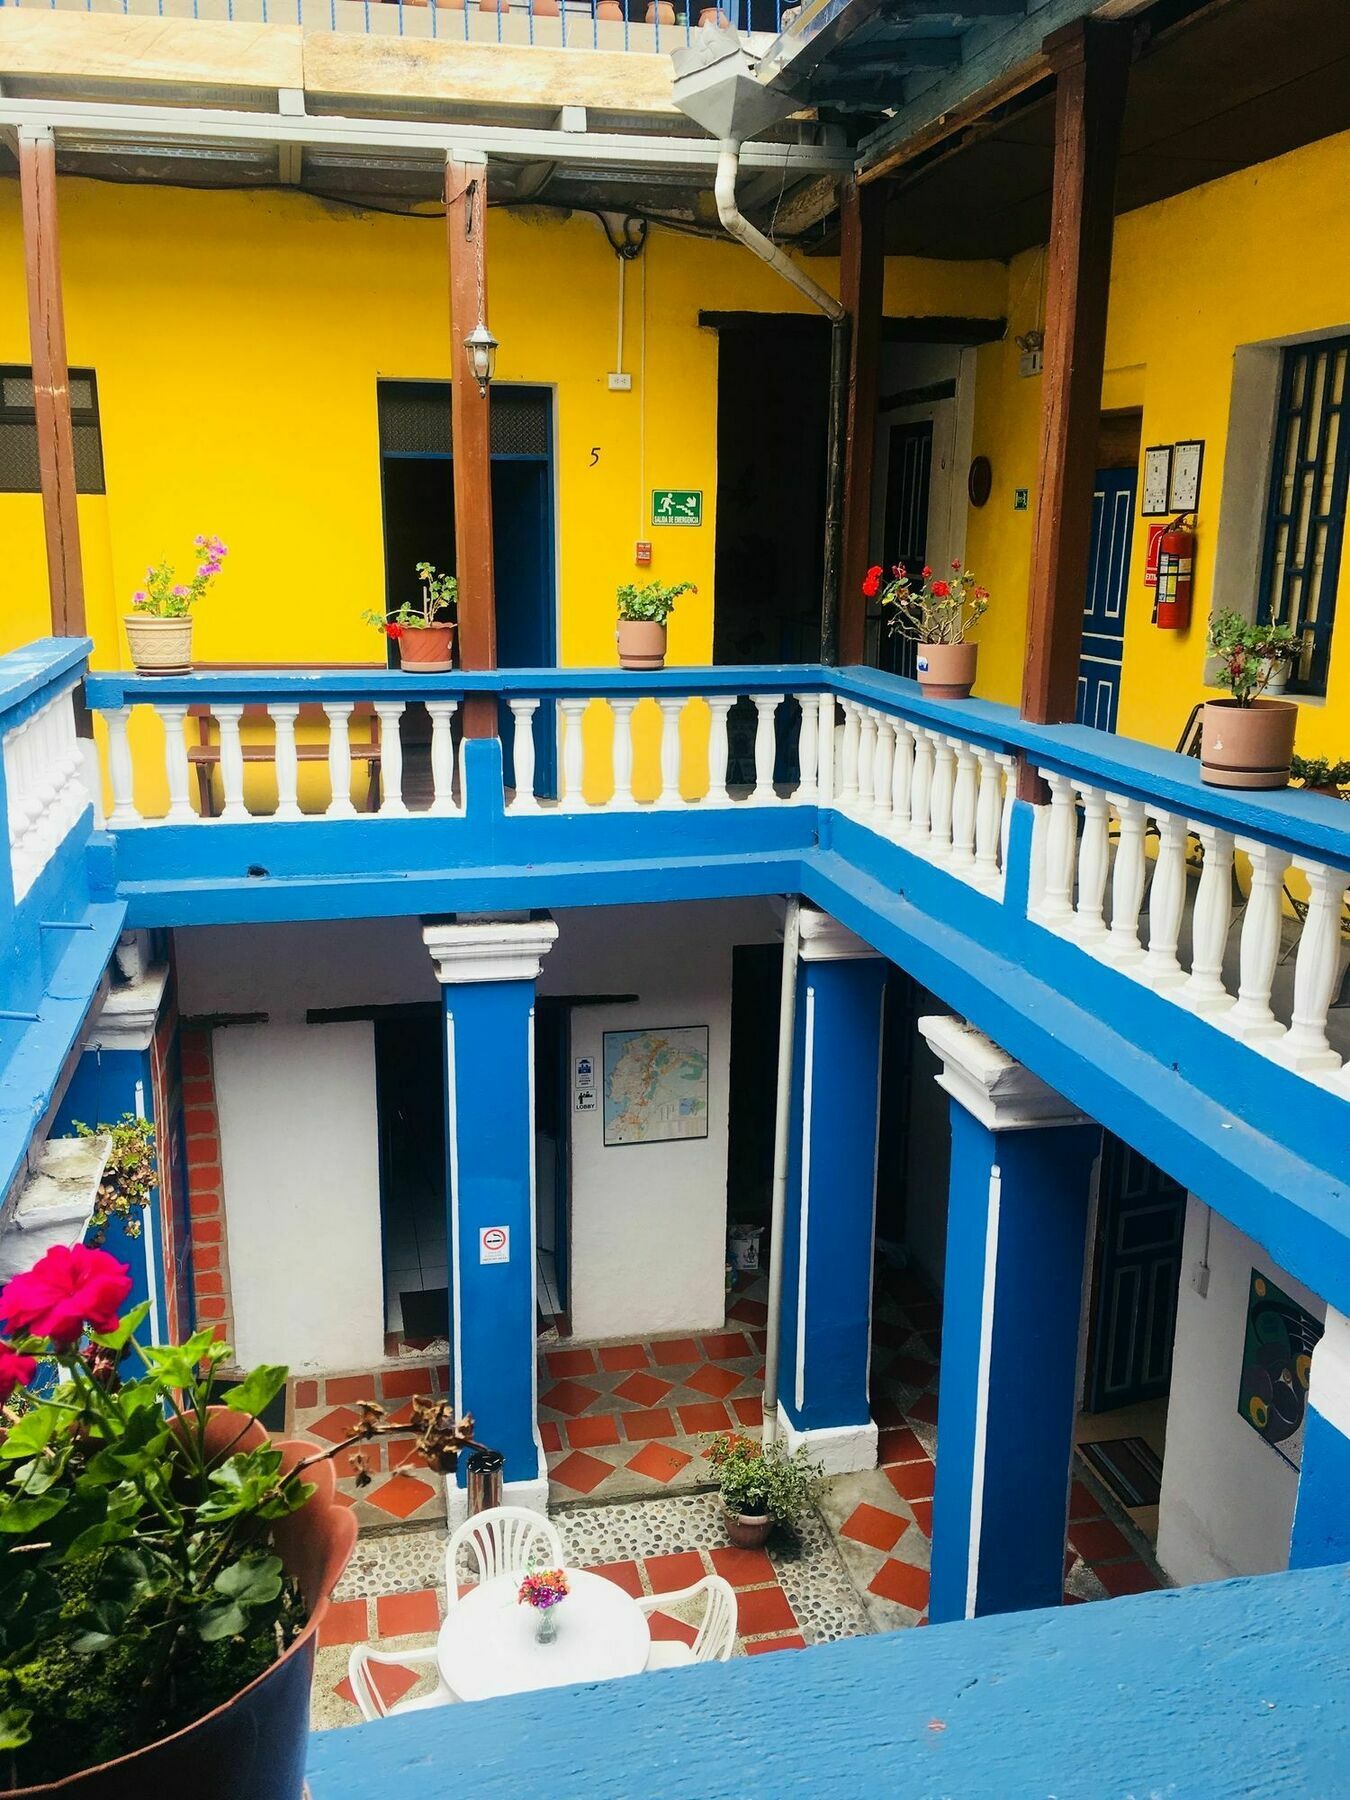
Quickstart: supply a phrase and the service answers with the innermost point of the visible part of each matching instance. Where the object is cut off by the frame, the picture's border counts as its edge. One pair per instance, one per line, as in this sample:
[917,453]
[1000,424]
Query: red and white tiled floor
[402,1489]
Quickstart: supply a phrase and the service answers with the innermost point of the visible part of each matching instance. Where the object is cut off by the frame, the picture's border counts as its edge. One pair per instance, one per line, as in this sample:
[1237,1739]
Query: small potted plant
[643,612]
[761,1486]
[424,630]
[544,1589]
[1319,775]
[937,611]
[129,1175]
[165,1566]
[159,625]
[1245,741]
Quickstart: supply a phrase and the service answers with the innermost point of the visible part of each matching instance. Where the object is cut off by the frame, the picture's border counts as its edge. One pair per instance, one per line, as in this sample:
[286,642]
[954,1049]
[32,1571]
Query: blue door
[1104,603]
[1141,1217]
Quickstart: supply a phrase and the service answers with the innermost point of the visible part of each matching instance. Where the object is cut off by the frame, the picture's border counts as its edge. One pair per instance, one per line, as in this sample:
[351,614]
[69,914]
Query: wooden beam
[1091,63]
[862,268]
[466,223]
[51,380]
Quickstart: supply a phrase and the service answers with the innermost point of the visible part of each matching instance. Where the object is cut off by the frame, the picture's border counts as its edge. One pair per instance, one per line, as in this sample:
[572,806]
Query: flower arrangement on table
[543,1589]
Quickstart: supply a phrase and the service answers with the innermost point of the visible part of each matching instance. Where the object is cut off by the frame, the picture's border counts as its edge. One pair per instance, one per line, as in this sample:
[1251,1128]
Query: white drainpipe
[728,165]
[787,1027]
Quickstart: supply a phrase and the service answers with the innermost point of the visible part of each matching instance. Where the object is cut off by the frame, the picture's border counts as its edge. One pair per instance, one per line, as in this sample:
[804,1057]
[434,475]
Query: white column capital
[127,1018]
[824,939]
[999,1092]
[491,947]
[1329,1387]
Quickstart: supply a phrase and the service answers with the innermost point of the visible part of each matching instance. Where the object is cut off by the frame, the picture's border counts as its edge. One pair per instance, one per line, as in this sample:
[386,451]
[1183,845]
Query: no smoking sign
[494,1244]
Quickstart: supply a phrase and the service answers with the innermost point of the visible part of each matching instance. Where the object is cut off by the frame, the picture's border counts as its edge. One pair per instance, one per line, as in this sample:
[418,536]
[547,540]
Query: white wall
[1227,1495]
[302,1197]
[929,1158]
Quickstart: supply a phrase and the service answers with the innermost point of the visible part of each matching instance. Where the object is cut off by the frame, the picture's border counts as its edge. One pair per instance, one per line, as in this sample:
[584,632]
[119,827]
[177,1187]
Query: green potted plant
[643,612]
[159,625]
[761,1486]
[129,1175]
[424,630]
[164,1564]
[1319,775]
[1247,741]
[937,611]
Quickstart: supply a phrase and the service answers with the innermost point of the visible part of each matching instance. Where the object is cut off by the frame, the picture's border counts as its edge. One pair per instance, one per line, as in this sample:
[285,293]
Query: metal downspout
[787,1031]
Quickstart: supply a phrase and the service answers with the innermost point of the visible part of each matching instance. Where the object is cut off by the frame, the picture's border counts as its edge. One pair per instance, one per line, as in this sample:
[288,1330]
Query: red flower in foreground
[927,571]
[65,1291]
[940,590]
[393,629]
[15,1371]
[872,582]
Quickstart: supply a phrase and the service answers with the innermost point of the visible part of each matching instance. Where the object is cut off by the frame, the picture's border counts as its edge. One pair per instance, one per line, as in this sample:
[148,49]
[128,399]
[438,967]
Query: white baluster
[1127,882]
[339,760]
[1317,969]
[288,766]
[988,816]
[119,768]
[573,757]
[441,714]
[1204,991]
[719,706]
[522,751]
[963,806]
[1094,850]
[825,714]
[883,766]
[848,757]
[670,753]
[1055,908]
[26,758]
[867,744]
[231,763]
[766,747]
[920,790]
[1251,1018]
[902,779]
[1008,764]
[940,798]
[389,712]
[177,774]
[1166,903]
[807,750]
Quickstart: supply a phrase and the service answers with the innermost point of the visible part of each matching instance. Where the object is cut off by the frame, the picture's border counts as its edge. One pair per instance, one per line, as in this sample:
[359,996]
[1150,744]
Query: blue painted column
[1019,1202]
[830,1223]
[487,968]
[1322,1513]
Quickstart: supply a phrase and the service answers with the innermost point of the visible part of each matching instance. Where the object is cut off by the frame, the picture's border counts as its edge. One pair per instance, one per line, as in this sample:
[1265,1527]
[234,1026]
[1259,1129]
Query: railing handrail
[28,675]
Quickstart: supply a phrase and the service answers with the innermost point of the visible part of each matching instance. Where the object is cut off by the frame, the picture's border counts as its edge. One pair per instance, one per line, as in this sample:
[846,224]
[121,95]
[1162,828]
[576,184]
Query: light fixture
[481,348]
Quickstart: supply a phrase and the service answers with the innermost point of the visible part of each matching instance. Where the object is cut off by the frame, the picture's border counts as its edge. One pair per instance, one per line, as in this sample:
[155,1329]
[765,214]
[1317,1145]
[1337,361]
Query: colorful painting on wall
[1276,1361]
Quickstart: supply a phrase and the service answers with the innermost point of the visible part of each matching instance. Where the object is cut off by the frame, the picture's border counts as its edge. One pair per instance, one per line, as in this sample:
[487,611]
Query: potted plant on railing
[1245,741]
[165,1565]
[643,612]
[1319,775]
[424,630]
[159,625]
[937,611]
[761,1485]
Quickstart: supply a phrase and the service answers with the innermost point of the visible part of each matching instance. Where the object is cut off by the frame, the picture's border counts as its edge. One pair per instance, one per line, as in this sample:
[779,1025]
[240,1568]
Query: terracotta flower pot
[947,671]
[611,10]
[642,644]
[747,1531]
[1247,746]
[426,649]
[256,1743]
[660,12]
[713,15]
[159,646]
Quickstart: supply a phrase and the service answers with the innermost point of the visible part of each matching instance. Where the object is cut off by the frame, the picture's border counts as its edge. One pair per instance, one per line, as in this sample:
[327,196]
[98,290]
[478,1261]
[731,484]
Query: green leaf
[240,1484]
[119,1338]
[217,1622]
[102,1624]
[97,1516]
[19,1515]
[14,1732]
[252,1581]
[32,1433]
[30,1603]
[257,1389]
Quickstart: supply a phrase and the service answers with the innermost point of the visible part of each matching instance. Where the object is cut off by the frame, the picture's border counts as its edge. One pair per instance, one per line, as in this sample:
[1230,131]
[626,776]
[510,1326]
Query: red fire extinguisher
[1176,559]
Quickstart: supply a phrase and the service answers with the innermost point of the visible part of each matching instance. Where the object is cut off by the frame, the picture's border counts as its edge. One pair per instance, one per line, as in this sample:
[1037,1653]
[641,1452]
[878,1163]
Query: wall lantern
[481,348]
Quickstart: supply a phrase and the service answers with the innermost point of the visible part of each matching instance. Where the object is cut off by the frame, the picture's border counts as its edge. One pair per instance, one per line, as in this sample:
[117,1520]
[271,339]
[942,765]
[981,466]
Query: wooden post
[1091,63]
[51,380]
[466,222]
[862,266]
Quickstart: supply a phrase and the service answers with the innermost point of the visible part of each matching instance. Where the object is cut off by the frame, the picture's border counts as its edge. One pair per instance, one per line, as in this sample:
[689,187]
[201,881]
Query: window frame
[81,417]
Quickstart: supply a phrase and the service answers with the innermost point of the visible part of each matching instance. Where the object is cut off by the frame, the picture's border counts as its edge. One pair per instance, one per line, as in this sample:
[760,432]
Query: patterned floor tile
[580,1472]
[660,1462]
[714,1380]
[642,1389]
[874,1525]
[570,1397]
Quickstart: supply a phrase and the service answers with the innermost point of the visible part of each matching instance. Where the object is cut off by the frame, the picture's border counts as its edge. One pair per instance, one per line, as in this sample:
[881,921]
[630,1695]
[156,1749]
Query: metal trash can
[484,1472]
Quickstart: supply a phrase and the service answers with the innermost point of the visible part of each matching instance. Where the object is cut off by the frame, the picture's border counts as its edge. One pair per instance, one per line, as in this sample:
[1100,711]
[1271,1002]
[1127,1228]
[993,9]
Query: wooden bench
[204,755]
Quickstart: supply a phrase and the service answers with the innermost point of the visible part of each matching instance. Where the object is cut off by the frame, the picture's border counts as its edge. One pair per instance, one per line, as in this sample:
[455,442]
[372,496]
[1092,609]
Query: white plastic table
[487,1644]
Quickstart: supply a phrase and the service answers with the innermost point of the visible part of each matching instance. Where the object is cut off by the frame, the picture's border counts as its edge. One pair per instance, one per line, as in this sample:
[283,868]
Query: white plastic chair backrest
[717,1634]
[506,1540]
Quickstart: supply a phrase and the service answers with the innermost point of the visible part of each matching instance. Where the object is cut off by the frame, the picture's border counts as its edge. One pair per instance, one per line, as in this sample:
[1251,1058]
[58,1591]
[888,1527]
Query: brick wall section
[206,1192]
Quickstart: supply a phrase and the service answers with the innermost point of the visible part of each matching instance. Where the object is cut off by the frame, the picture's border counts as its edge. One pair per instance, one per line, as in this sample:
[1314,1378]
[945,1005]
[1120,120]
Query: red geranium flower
[65,1291]
[393,629]
[926,571]
[940,590]
[15,1371]
[872,582]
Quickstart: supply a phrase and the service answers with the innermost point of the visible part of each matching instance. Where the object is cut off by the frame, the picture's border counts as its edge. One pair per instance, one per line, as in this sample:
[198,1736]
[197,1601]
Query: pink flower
[15,1371]
[65,1291]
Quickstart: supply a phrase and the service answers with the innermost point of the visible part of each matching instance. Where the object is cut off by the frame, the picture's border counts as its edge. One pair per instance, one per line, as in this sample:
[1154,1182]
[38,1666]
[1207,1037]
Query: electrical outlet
[1030,362]
[1200,1279]
[620,384]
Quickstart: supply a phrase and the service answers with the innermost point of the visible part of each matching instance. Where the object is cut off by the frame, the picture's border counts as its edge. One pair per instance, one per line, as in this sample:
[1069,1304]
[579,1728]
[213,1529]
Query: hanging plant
[129,1174]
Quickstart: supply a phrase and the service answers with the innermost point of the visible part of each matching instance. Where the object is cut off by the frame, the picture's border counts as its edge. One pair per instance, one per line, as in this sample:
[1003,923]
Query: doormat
[1129,1467]
[426,1314]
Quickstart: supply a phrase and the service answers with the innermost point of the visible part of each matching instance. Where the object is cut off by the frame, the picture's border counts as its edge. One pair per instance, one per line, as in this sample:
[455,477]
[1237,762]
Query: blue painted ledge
[1242,1687]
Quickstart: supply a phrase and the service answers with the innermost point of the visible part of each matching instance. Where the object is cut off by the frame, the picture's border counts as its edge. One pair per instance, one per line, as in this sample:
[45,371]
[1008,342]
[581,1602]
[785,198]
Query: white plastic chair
[505,1540]
[368,1696]
[716,1635]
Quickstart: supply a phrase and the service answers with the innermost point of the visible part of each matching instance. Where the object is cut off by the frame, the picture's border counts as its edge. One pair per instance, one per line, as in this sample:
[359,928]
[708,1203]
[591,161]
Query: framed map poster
[656,1084]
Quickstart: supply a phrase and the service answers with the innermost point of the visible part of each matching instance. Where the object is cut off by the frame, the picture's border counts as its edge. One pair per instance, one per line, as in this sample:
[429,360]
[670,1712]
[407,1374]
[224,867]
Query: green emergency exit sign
[677,506]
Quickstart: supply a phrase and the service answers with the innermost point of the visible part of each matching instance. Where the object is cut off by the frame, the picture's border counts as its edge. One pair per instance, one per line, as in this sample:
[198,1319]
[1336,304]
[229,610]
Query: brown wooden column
[862,267]
[1091,63]
[466,222]
[51,380]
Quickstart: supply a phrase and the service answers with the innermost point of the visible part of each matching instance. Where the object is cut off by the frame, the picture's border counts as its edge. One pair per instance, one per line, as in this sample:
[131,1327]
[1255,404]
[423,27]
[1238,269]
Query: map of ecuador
[656,1085]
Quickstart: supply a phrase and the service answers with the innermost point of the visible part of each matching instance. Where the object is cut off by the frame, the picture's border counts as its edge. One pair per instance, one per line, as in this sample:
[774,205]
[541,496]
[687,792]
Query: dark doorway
[552,1150]
[410,1108]
[1141,1217]
[909,466]
[756,993]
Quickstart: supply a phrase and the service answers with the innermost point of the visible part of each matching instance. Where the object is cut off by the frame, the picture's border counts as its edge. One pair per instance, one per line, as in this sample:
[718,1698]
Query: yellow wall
[1261,255]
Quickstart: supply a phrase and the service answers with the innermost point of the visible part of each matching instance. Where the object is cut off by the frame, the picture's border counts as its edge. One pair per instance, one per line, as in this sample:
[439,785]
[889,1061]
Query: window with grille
[1305,517]
[18,432]
[415,419]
